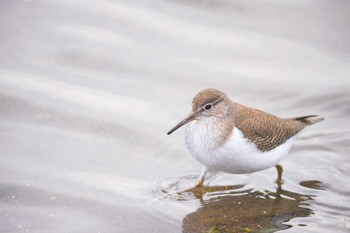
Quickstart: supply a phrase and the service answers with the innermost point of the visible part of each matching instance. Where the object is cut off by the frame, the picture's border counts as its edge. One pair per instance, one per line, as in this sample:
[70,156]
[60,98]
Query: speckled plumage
[266,131]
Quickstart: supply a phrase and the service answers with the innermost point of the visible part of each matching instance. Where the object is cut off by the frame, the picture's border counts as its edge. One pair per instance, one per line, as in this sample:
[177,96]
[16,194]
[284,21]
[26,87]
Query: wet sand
[88,90]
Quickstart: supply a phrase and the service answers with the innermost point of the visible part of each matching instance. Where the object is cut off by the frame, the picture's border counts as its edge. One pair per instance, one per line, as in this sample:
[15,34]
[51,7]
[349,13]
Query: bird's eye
[208,107]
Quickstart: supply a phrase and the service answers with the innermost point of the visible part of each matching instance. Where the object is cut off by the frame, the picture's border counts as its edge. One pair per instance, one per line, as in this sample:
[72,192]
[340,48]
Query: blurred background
[88,90]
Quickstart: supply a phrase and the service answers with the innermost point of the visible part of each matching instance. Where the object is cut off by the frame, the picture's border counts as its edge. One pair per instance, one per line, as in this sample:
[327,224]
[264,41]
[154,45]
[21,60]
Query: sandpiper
[229,137]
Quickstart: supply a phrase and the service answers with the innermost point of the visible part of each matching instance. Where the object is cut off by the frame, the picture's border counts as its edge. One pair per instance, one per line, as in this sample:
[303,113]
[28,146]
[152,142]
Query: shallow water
[88,90]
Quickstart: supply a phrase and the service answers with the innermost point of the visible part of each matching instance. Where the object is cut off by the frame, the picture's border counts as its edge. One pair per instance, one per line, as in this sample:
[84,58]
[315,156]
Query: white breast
[237,155]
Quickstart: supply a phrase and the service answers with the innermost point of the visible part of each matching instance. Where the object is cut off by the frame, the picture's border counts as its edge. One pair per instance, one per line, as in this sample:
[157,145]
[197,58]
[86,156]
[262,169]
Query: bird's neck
[209,132]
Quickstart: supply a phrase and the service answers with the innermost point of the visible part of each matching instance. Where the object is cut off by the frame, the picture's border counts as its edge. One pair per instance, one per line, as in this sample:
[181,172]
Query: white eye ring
[208,107]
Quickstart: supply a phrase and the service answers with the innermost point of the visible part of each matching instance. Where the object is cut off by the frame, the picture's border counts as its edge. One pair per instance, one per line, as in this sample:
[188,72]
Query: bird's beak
[188,119]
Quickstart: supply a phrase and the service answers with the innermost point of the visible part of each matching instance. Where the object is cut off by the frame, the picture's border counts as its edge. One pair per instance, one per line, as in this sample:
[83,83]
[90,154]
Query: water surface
[88,90]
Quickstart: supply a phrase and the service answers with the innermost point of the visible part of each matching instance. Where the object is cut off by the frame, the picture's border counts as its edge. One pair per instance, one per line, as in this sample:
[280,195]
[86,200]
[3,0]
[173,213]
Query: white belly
[236,156]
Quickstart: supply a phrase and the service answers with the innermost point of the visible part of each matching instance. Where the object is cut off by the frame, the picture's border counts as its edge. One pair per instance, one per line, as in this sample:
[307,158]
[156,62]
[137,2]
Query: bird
[229,137]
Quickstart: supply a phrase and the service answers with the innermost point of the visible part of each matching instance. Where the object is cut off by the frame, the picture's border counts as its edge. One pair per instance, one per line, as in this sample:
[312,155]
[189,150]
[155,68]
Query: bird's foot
[194,189]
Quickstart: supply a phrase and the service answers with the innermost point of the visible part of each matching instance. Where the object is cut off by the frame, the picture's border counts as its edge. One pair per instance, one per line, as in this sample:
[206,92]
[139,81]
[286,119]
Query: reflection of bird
[229,137]
[246,211]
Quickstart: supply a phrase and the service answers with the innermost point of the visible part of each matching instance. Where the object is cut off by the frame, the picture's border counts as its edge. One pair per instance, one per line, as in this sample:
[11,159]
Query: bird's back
[266,130]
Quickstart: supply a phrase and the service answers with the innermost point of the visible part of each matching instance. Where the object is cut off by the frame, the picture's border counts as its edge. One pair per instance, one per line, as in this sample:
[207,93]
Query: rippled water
[88,90]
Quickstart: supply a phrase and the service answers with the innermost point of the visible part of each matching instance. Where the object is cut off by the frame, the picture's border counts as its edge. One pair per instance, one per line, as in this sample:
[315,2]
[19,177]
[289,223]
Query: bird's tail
[308,121]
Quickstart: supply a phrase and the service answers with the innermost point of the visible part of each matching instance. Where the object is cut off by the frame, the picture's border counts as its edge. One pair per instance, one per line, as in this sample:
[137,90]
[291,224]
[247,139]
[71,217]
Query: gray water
[88,90]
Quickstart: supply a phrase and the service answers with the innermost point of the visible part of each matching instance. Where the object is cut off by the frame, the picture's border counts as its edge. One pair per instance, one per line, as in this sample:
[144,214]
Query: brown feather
[206,96]
[266,130]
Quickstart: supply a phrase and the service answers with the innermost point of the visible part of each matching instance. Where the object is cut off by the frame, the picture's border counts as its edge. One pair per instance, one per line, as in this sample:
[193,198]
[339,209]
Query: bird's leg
[201,178]
[199,183]
[279,175]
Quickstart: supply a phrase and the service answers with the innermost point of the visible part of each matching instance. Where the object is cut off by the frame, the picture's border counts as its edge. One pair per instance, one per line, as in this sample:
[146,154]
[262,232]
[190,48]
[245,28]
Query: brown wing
[265,130]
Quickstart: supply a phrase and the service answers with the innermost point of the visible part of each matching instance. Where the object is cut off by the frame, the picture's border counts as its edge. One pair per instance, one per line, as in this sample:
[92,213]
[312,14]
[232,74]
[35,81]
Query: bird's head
[207,103]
